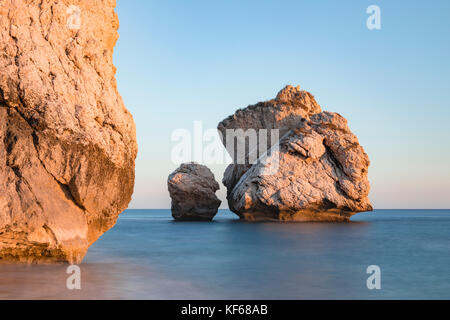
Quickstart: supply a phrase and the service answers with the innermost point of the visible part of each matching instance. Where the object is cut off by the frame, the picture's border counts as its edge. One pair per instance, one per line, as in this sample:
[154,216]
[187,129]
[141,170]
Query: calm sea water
[149,256]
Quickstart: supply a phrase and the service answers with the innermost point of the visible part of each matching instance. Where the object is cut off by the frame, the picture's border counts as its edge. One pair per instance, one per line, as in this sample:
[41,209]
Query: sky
[185,61]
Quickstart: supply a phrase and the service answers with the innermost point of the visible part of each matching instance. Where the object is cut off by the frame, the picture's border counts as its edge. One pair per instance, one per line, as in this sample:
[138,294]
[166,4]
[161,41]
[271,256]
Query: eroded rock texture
[192,188]
[67,142]
[317,172]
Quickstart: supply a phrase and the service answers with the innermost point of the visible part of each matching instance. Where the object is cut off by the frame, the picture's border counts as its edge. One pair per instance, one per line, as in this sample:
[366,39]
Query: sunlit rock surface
[67,142]
[317,172]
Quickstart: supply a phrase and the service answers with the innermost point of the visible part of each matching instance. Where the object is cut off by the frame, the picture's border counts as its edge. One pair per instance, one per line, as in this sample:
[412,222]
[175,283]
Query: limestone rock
[192,188]
[68,144]
[317,172]
[284,113]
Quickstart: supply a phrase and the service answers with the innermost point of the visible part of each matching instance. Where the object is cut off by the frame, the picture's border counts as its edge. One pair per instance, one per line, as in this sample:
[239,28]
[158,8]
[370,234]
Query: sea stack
[315,171]
[192,188]
[68,144]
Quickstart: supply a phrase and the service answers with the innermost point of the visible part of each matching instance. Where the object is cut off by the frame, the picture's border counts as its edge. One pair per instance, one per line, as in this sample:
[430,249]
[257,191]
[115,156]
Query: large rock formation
[67,142]
[316,171]
[192,188]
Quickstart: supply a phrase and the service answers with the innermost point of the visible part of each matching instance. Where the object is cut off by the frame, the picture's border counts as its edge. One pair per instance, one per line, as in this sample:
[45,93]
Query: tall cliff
[67,142]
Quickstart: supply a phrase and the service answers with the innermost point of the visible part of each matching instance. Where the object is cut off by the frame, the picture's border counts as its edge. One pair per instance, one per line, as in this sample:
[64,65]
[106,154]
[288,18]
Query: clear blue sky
[181,61]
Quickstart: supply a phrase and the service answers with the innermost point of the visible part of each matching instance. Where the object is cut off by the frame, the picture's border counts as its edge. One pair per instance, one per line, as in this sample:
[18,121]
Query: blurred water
[149,256]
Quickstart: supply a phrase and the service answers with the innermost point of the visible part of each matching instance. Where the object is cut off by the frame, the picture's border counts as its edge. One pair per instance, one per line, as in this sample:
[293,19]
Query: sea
[384,254]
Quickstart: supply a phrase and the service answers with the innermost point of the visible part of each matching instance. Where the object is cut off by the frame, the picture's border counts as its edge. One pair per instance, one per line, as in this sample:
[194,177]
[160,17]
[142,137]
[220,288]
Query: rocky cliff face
[67,142]
[192,188]
[317,172]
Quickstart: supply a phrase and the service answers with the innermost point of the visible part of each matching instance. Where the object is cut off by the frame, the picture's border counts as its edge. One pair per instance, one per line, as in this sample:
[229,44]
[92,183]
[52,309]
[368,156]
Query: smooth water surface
[149,256]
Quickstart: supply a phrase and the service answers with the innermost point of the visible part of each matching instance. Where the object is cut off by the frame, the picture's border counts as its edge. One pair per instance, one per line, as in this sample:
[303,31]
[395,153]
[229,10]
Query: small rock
[192,188]
[67,142]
